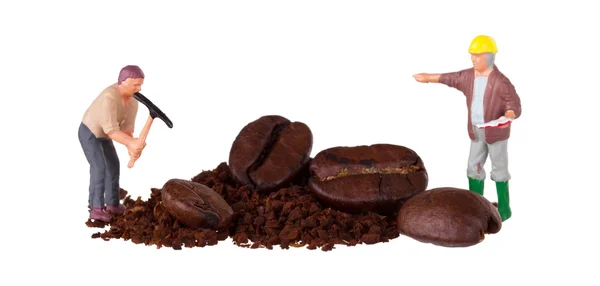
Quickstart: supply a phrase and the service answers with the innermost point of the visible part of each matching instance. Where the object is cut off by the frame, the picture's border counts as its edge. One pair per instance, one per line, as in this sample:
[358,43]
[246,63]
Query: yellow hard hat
[483,44]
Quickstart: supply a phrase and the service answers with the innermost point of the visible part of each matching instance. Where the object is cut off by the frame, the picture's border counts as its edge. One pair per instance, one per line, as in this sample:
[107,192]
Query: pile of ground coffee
[286,217]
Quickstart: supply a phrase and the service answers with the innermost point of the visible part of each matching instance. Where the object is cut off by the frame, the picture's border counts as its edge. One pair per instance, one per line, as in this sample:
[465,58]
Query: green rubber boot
[476,186]
[503,200]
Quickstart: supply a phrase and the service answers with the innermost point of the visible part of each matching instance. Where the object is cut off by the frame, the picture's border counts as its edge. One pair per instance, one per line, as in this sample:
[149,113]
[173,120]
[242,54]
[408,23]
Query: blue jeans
[104,168]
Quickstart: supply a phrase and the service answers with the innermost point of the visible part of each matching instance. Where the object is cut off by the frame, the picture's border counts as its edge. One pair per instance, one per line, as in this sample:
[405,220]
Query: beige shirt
[107,113]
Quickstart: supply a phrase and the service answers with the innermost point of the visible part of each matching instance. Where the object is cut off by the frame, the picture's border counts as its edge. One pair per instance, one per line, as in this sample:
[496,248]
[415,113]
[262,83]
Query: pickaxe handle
[142,137]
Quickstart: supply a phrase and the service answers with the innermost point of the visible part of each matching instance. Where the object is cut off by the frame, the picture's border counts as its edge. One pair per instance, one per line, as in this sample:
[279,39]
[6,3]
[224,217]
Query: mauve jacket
[500,96]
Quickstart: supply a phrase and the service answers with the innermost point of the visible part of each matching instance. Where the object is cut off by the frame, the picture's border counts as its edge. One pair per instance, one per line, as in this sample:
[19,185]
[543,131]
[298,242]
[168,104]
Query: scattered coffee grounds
[286,217]
[448,217]
[376,178]
[195,205]
[270,152]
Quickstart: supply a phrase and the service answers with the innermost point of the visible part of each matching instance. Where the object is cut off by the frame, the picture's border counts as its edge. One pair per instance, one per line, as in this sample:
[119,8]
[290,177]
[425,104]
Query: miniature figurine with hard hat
[489,95]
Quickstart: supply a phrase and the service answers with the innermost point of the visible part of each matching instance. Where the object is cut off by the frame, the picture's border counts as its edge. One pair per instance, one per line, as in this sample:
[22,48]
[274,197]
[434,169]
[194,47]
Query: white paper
[495,123]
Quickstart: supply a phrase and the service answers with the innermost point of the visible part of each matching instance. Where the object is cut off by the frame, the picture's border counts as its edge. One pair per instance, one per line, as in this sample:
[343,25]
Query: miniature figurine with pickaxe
[111,117]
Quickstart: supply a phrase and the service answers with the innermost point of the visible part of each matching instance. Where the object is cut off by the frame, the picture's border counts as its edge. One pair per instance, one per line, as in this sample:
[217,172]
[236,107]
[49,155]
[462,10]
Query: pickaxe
[154,112]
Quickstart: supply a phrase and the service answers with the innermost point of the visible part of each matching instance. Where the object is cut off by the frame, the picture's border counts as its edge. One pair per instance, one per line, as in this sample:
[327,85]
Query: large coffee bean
[448,217]
[270,152]
[195,205]
[377,178]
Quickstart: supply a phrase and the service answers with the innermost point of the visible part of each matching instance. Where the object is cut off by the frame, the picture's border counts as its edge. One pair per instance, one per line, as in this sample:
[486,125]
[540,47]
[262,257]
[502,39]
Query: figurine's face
[132,85]
[479,62]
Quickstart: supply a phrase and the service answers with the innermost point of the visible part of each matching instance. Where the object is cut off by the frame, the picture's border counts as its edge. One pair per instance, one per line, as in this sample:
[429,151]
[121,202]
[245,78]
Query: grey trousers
[478,154]
[104,168]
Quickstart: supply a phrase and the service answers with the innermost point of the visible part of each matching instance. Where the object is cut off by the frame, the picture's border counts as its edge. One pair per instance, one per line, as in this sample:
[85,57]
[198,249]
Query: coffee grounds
[287,217]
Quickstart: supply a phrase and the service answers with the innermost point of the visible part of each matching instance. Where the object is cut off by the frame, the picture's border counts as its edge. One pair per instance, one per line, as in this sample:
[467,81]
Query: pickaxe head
[154,110]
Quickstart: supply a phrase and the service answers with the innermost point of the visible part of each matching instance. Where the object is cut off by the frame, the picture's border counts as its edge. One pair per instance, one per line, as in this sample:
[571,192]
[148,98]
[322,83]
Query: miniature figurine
[490,96]
[111,116]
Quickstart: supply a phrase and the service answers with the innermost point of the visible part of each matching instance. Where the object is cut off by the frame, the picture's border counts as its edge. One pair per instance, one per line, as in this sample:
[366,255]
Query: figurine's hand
[135,148]
[135,155]
[509,114]
[421,77]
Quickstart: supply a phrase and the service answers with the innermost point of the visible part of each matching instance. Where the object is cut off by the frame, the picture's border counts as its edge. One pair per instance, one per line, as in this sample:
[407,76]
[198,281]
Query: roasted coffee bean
[376,178]
[448,217]
[196,205]
[270,152]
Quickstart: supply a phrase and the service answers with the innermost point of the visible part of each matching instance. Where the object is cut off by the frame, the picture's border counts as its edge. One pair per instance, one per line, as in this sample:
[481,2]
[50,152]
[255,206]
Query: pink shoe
[98,214]
[120,209]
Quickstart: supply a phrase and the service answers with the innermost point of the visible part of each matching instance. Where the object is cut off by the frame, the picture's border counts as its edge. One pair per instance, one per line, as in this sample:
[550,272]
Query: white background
[342,67]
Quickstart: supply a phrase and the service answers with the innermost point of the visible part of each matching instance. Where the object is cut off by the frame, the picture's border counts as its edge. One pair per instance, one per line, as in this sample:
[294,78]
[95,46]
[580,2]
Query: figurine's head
[131,79]
[483,51]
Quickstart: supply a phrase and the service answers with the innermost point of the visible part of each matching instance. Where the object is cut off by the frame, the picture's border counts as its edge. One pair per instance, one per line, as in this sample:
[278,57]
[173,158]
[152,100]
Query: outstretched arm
[427,77]
[452,79]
